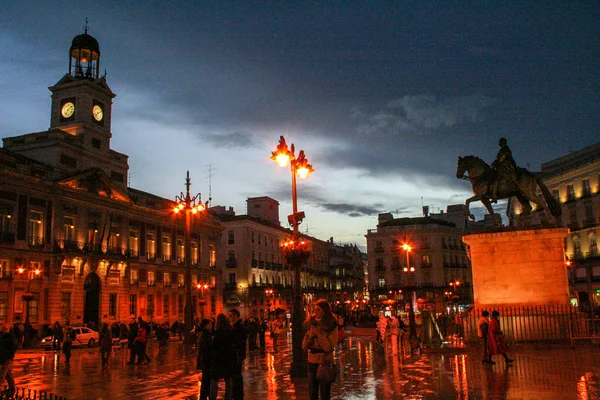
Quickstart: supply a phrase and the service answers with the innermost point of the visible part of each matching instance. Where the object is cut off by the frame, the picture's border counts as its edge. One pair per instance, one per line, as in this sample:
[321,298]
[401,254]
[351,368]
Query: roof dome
[87,42]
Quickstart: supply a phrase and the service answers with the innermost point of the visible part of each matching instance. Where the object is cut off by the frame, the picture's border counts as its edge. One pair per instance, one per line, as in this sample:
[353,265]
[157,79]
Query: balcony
[380,268]
[35,241]
[167,284]
[133,254]
[68,245]
[6,276]
[231,263]
[151,283]
[114,251]
[134,282]
[7,237]
[254,263]
[378,250]
[150,256]
[166,258]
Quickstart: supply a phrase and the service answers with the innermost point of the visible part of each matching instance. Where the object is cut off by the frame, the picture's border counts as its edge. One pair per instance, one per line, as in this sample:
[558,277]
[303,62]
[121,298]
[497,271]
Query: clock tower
[80,120]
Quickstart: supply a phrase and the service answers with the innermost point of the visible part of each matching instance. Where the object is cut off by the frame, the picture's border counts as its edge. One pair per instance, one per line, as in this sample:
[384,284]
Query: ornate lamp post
[295,250]
[412,324]
[202,287]
[269,293]
[190,205]
[27,297]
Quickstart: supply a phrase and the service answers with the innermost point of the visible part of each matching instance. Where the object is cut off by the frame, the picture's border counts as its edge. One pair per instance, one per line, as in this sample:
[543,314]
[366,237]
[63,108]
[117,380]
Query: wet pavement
[539,372]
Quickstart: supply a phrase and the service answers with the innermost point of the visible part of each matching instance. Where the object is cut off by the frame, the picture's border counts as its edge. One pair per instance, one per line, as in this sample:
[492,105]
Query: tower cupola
[84,56]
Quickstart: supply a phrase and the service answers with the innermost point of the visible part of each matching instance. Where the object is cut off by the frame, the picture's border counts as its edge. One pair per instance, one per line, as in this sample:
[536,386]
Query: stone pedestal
[524,267]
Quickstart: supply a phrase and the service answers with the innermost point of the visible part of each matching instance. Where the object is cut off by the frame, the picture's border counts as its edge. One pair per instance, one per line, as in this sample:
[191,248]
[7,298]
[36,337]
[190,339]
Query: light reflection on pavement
[552,372]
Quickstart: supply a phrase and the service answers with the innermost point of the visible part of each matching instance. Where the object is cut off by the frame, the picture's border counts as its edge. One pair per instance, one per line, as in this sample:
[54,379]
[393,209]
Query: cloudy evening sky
[382,96]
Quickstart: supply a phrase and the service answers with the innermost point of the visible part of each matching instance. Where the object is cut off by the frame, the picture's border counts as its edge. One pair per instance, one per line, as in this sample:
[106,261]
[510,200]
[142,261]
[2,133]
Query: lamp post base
[298,367]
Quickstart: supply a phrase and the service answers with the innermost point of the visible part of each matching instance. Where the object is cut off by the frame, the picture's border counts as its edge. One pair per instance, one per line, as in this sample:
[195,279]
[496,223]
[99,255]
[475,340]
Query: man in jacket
[482,331]
[8,348]
[239,338]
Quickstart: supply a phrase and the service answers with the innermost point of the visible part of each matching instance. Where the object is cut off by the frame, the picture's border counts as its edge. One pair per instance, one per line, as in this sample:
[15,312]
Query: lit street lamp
[27,297]
[269,293]
[191,206]
[202,301]
[412,325]
[295,250]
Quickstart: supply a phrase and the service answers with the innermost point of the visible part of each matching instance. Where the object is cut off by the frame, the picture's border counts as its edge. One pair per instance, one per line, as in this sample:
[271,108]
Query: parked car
[85,337]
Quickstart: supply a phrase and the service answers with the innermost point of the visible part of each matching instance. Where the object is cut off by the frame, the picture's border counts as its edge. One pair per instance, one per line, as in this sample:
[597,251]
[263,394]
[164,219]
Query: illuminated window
[5,217]
[166,279]
[151,280]
[150,246]
[180,280]
[570,193]
[212,254]
[113,237]
[381,282]
[34,307]
[36,228]
[166,248]
[133,276]
[133,243]
[69,228]
[195,253]
[586,189]
[180,250]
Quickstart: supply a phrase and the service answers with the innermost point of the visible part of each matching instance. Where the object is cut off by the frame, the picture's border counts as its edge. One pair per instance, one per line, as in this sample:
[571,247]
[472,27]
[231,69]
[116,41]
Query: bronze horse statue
[482,177]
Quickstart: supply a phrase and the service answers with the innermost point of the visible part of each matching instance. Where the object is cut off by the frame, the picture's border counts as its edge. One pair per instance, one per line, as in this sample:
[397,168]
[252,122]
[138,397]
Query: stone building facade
[574,180]
[77,244]
[435,268]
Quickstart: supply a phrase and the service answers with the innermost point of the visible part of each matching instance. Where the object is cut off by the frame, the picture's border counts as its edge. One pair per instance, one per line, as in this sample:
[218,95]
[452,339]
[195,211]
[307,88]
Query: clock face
[97,113]
[67,110]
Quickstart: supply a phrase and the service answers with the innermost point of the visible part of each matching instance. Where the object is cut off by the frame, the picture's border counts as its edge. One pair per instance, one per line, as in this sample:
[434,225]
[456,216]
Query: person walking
[277,329]
[8,348]
[263,328]
[223,357]
[131,336]
[69,335]
[105,344]
[496,344]
[252,327]
[483,329]
[204,356]
[57,336]
[141,341]
[320,340]
[392,329]
[240,336]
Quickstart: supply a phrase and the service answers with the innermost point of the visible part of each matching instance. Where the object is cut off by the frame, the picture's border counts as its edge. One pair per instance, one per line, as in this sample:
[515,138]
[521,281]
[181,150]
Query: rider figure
[505,167]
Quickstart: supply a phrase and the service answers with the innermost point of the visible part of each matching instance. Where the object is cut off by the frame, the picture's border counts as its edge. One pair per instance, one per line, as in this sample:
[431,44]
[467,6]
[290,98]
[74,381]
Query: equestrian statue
[503,180]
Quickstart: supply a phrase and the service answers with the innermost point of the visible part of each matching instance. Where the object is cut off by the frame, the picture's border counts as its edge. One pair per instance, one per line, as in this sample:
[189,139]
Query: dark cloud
[352,210]
[230,140]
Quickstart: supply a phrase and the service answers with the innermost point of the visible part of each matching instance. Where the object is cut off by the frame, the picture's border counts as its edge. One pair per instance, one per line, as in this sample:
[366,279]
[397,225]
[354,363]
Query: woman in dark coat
[105,344]
[223,357]
[496,343]
[204,355]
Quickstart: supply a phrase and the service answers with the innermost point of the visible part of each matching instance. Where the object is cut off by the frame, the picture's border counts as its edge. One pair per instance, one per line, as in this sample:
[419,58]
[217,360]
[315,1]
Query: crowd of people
[221,344]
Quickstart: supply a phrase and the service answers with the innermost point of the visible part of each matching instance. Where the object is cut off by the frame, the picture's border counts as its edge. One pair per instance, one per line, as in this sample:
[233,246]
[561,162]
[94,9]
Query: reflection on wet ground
[552,372]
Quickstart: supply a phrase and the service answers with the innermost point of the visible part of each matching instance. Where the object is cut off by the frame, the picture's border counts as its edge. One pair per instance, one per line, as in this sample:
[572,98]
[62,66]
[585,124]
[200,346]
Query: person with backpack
[8,348]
